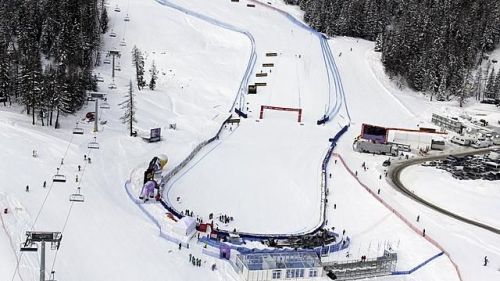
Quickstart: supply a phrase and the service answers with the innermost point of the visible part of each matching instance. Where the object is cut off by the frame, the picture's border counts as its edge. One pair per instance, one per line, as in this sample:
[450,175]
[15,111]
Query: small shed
[186,226]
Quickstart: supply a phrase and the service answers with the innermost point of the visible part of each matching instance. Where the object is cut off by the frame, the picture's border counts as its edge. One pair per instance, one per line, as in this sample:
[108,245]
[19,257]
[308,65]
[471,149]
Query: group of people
[225,219]
[194,261]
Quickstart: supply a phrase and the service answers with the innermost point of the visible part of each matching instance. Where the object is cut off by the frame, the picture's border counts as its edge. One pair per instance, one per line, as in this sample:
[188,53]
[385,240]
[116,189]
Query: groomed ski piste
[266,173]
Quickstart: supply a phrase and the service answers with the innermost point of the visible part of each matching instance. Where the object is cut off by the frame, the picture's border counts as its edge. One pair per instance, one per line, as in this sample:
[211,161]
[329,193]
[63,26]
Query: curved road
[395,176]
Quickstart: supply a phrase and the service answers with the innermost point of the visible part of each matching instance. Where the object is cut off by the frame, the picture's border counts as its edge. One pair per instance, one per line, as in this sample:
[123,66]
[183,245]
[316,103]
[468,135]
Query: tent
[185,226]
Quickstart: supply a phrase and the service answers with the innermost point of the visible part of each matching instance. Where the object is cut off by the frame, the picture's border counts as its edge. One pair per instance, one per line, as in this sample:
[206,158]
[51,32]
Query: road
[394,174]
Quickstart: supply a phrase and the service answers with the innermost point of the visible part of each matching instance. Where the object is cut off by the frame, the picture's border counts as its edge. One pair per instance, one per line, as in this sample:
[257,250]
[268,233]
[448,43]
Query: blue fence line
[140,205]
[330,61]
[253,56]
[406,272]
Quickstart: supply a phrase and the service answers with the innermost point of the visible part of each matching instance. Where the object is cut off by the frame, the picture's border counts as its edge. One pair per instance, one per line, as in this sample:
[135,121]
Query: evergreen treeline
[433,45]
[47,51]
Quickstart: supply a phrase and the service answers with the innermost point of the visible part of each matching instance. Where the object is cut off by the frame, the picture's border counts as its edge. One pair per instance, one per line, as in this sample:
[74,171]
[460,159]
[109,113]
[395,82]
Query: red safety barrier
[400,216]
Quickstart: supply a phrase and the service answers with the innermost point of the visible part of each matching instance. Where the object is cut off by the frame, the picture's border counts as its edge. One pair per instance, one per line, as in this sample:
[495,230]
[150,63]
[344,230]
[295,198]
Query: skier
[335,161]
[76,179]
[418,218]
[180,246]
[423,232]
[330,175]
[89,160]
[485,260]
[334,206]
[62,161]
[79,168]
[27,188]
[378,191]
[85,157]
[356,173]
[380,177]
[44,184]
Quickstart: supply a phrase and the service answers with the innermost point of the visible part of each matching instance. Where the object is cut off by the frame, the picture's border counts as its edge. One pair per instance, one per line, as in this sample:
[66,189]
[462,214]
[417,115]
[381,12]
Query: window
[313,272]
[290,273]
[276,274]
[299,273]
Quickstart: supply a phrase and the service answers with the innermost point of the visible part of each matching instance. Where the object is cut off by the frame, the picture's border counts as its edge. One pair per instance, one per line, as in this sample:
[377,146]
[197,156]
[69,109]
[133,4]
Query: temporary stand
[93,144]
[33,237]
[59,178]
[76,197]
[77,130]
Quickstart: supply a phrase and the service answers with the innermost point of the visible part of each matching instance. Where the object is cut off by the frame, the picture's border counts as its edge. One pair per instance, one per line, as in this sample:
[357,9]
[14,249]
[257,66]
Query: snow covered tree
[489,92]
[129,106]
[138,61]
[104,20]
[154,76]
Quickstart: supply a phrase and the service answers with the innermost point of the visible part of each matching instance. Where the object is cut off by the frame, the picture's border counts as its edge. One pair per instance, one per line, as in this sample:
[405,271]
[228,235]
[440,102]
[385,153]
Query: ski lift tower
[42,237]
[113,54]
[96,97]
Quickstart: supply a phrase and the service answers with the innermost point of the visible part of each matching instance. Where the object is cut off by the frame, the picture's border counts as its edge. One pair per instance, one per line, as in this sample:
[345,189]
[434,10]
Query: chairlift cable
[81,177]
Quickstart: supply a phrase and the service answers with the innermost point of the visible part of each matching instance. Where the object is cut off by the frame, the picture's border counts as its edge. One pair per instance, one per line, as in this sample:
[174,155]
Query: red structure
[262,107]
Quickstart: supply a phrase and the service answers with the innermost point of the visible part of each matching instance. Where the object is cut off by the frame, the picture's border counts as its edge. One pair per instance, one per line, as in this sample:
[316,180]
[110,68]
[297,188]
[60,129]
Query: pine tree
[129,106]
[138,61]
[104,21]
[154,76]
[496,92]
[489,92]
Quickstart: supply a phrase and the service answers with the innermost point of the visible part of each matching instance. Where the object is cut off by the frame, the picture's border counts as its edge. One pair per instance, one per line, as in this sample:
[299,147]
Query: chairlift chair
[28,247]
[76,197]
[104,105]
[107,61]
[99,78]
[112,86]
[77,130]
[117,9]
[112,34]
[58,177]
[93,144]
[127,18]
[123,43]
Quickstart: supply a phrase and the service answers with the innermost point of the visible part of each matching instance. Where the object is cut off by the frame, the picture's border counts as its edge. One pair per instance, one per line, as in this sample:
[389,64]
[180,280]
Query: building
[447,123]
[296,265]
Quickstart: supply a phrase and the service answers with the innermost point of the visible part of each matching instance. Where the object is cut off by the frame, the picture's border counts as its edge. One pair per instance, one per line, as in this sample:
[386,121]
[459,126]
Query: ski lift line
[81,177]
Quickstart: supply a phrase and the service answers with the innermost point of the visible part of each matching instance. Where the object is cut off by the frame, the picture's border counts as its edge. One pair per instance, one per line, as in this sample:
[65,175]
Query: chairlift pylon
[76,197]
[58,177]
[93,144]
[77,130]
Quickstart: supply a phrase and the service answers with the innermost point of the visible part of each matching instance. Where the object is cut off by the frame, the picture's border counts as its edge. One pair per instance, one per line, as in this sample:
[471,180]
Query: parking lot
[470,167]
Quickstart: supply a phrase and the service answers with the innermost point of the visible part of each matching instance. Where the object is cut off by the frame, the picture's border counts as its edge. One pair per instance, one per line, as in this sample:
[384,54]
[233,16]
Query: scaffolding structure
[358,269]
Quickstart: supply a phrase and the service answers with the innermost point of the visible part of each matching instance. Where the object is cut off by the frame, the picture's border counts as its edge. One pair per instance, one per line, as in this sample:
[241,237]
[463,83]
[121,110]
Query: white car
[482,143]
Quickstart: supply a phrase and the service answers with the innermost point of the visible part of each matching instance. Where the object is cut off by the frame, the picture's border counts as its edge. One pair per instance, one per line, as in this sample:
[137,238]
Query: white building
[296,265]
